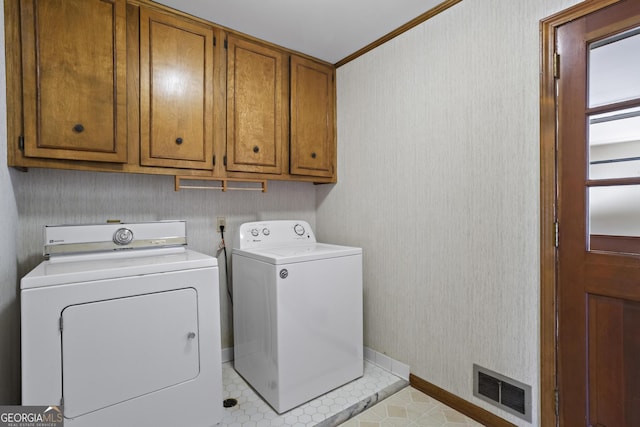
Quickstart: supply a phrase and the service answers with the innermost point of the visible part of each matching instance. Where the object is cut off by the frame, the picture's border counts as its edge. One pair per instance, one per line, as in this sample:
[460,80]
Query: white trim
[388,364]
[227,354]
[382,360]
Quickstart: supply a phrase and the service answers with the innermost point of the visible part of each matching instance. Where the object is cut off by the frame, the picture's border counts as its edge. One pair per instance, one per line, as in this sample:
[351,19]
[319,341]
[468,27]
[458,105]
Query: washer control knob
[254,232]
[266,231]
[299,229]
[122,236]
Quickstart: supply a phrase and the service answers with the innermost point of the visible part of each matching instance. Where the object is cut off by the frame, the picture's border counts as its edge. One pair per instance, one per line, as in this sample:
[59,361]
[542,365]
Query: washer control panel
[274,234]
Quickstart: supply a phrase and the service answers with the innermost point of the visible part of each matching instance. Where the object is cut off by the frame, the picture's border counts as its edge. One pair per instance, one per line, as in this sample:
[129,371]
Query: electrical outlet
[222,222]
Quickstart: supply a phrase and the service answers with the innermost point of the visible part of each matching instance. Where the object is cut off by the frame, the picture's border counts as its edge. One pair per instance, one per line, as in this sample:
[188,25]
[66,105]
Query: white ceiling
[325,29]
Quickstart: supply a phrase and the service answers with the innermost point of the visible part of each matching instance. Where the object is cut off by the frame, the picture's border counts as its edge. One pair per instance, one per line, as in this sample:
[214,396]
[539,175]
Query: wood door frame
[548,196]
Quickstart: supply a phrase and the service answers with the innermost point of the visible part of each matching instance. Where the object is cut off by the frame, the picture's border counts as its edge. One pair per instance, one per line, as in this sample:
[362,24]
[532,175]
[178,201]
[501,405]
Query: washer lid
[87,268]
[299,253]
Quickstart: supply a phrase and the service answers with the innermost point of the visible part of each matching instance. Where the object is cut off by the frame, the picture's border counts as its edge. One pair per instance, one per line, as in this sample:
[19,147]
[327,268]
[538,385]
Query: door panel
[312,118]
[119,349]
[176,92]
[74,82]
[256,117]
[614,365]
[598,269]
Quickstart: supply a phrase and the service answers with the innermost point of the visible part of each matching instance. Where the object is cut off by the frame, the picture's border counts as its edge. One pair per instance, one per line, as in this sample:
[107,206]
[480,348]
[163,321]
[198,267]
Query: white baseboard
[385,362]
[227,354]
[388,364]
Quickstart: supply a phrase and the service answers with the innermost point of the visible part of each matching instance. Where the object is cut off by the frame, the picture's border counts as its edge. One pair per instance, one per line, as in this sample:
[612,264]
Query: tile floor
[327,410]
[378,399]
[412,408]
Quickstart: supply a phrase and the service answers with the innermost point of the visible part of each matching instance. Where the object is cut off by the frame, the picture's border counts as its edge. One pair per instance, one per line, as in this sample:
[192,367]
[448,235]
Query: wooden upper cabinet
[134,87]
[176,91]
[256,107]
[313,147]
[74,79]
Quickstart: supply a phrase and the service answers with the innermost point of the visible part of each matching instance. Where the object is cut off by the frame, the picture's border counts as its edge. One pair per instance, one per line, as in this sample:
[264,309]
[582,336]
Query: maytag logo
[31,416]
[56,241]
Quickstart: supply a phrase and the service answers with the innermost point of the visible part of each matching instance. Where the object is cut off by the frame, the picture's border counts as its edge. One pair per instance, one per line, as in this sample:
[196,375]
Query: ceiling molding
[404,28]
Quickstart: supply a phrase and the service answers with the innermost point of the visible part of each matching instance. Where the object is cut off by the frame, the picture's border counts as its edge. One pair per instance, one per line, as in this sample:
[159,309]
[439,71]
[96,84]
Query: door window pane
[614,69]
[614,144]
[614,219]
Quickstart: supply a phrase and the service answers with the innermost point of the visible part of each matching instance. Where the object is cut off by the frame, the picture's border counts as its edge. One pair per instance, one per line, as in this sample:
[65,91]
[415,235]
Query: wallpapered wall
[438,135]
[438,182]
[9,311]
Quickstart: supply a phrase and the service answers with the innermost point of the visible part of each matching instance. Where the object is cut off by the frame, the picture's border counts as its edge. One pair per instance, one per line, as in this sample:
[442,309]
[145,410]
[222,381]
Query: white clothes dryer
[297,312]
[121,326]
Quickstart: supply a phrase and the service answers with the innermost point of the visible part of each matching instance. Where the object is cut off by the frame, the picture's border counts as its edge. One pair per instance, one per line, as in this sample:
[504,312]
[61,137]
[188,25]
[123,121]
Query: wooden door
[256,113]
[312,150]
[599,218]
[74,79]
[176,91]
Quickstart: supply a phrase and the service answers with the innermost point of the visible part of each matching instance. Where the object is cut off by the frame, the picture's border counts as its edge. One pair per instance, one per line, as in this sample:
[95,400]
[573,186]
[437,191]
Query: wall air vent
[508,394]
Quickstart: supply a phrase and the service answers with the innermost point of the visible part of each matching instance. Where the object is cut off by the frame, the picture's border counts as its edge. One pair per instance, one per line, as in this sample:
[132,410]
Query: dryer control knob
[122,236]
[255,232]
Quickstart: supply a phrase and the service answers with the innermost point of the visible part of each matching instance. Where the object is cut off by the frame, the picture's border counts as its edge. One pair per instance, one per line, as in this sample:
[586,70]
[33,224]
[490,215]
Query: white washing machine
[297,312]
[121,326]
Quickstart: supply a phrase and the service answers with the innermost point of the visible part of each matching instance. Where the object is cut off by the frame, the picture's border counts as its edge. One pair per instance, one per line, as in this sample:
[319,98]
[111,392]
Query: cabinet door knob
[256,149]
[313,155]
[78,128]
[178,141]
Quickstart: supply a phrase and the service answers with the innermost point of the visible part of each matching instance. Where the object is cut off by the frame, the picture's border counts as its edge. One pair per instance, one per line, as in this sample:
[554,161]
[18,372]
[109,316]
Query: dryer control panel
[274,233]
[93,238]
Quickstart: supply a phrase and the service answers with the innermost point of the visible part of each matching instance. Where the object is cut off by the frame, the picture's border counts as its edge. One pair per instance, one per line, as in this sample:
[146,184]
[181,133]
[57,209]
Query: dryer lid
[87,268]
[89,252]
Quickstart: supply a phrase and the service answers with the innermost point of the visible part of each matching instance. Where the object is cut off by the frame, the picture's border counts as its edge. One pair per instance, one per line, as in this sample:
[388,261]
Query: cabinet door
[312,150]
[256,114]
[176,92]
[74,79]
